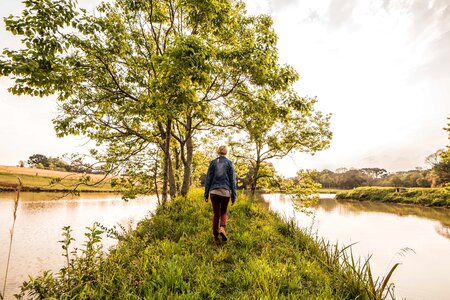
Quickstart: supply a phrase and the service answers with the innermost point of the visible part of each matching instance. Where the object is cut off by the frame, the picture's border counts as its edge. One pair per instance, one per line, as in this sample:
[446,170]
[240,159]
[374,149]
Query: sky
[381,68]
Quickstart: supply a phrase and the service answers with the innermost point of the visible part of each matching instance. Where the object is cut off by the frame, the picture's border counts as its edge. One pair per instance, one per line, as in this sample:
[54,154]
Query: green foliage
[275,123]
[303,189]
[267,177]
[440,161]
[200,163]
[138,76]
[37,160]
[68,163]
[172,255]
[422,196]
[441,169]
[76,277]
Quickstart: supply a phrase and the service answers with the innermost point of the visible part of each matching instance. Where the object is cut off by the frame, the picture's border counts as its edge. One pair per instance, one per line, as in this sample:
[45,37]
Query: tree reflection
[443,230]
[348,207]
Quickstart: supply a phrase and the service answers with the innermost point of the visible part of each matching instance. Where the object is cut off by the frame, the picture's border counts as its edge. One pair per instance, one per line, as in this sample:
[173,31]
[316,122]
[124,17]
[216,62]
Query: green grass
[420,196]
[40,183]
[172,256]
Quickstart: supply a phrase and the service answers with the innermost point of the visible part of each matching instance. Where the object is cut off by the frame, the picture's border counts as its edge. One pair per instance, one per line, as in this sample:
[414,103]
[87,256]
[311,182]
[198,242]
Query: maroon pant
[219,204]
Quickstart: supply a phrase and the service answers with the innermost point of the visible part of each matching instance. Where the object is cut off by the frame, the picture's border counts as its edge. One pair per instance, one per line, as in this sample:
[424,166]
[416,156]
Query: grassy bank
[62,183]
[421,196]
[330,190]
[172,255]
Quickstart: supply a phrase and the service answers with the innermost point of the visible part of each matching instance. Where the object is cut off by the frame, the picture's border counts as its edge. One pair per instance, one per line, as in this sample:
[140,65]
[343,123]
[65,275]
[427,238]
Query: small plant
[81,268]
[67,234]
[113,232]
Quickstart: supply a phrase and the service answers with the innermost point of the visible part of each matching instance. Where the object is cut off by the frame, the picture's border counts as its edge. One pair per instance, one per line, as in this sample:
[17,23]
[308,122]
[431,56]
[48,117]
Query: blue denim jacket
[221,175]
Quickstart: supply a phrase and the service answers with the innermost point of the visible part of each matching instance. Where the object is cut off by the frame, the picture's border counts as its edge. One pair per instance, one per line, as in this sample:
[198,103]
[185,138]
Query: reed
[11,234]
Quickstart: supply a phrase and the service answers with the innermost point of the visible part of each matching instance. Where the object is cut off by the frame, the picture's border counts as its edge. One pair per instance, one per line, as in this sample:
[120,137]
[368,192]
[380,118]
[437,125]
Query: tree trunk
[255,178]
[187,172]
[155,178]
[256,171]
[167,160]
[177,173]
[172,184]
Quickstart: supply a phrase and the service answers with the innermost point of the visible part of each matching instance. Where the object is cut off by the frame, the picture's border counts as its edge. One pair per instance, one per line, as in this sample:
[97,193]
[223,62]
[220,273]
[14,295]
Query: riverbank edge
[438,197]
[172,254]
[56,190]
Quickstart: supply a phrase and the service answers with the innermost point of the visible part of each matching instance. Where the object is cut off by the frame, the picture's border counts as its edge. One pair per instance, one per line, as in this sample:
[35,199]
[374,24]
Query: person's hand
[232,202]
[206,199]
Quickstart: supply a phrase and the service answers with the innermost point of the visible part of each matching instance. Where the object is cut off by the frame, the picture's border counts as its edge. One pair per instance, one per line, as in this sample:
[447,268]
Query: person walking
[220,186]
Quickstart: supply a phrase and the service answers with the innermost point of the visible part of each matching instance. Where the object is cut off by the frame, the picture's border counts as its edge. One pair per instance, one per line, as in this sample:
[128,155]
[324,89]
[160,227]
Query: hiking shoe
[223,234]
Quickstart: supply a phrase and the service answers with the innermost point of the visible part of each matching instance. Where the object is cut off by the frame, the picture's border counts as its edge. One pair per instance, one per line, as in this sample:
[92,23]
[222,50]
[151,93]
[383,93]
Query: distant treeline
[350,178]
[437,176]
[74,163]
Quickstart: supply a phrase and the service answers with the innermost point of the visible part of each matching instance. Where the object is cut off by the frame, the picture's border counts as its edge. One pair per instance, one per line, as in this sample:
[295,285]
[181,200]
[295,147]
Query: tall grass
[173,255]
[357,271]
[11,234]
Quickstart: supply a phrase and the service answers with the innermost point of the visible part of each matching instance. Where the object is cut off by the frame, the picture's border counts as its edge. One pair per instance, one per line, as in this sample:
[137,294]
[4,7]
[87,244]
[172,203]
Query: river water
[40,218]
[382,230]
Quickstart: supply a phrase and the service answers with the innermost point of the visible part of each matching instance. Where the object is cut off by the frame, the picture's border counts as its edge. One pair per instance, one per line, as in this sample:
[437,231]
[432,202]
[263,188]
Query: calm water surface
[383,230]
[40,218]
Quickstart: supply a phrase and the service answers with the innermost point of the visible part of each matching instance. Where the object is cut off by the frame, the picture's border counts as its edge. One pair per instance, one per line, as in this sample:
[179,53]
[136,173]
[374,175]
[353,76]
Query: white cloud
[358,57]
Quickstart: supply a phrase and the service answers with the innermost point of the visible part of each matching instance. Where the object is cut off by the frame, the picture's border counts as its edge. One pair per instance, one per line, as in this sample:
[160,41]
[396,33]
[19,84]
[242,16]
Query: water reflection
[383,229]
[441,215]
[40,218]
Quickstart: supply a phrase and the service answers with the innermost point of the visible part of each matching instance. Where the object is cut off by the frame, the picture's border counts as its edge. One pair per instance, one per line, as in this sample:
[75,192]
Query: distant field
[45,173]
[40,180]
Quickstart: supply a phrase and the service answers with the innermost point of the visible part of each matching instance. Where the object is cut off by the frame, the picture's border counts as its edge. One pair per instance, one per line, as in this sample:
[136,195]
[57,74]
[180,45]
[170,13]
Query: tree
[326,178]
[441,170]
[434,158]
[341,170]
[395,181]
[268,178]
[373,174]
[352,179]
[38,161]
[142,75]
[441,164]
[276,122]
